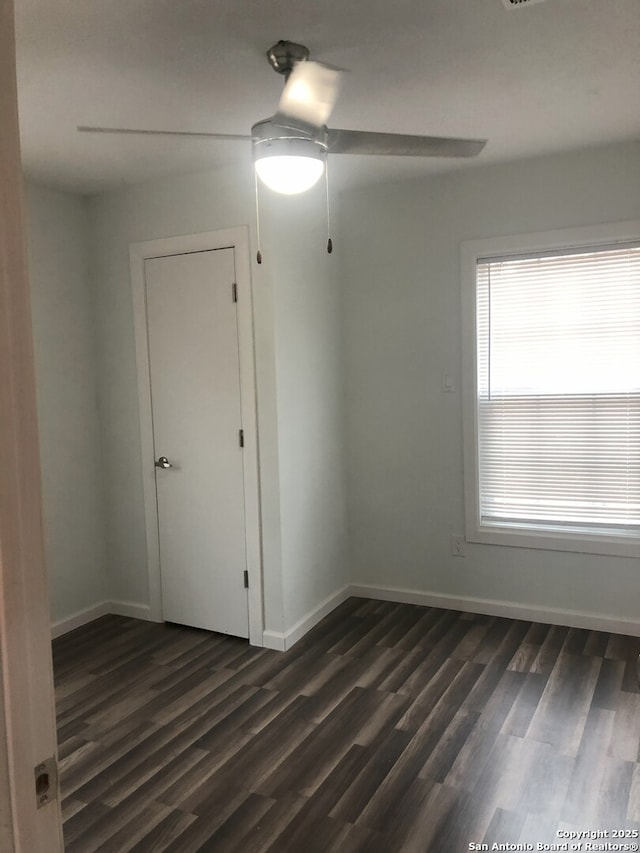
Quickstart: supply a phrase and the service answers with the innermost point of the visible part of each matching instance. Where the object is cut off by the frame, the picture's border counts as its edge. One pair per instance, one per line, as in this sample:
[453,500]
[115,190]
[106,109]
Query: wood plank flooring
[388,729]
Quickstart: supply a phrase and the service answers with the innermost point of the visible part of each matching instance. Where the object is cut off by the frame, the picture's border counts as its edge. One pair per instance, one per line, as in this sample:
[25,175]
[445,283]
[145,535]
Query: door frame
[27,712]
[237,239]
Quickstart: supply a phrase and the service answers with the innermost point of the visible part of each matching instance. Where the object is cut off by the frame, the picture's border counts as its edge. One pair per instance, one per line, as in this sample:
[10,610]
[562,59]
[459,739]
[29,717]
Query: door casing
[238,239]
[27,711]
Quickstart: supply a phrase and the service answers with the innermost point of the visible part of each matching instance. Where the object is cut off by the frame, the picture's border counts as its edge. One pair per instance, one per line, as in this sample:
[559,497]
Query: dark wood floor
[388,729]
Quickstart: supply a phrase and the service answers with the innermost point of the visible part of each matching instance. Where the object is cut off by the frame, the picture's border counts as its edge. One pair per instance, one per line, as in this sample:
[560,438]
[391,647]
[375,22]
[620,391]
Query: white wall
[401,262]
[311,422]
[66,377]
[297,381]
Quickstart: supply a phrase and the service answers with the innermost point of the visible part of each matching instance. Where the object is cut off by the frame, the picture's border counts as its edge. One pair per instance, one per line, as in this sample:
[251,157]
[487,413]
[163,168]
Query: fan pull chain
[326,184]
[259,253]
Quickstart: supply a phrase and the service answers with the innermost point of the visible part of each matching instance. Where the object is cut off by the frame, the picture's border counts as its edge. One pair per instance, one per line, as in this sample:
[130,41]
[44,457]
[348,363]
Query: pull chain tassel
[326,184]
[259,252]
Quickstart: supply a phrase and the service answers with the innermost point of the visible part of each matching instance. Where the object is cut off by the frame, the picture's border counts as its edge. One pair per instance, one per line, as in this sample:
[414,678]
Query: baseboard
[273,640]
[281,642]
[131,609]
[76,620]
[311,619]
[82,617]
[492,607]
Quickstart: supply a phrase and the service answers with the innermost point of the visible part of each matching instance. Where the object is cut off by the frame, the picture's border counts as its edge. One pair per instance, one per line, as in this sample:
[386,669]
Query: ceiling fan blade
[310,93]
[139,131]
[401,145]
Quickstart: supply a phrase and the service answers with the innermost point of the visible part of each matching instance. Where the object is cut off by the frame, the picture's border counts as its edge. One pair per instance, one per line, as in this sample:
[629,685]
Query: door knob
[163,462]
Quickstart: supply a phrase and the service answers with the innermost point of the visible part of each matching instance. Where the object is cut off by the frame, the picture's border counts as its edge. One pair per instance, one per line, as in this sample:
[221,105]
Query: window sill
[549,540]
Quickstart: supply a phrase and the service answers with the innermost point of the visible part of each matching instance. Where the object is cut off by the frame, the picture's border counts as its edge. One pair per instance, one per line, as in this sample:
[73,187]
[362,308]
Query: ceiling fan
[290,148]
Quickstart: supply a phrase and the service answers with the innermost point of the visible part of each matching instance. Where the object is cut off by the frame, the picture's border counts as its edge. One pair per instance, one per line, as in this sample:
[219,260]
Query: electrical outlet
[458,546]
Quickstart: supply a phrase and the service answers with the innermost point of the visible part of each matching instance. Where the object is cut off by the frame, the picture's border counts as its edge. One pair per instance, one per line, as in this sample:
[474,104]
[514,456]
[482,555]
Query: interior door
[195,391]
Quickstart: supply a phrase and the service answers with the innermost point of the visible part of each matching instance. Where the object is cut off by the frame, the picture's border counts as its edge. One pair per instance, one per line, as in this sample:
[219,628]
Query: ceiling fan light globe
[289,174]
[288,159]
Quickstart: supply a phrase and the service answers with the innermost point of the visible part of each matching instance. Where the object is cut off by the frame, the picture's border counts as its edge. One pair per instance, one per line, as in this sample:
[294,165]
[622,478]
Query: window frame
[522,536]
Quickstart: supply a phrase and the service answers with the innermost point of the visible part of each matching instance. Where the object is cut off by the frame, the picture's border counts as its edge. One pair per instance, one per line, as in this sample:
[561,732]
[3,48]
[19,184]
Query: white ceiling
[534,79]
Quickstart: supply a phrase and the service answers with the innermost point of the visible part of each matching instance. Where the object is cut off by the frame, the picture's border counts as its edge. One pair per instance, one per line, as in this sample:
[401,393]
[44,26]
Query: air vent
[513,4]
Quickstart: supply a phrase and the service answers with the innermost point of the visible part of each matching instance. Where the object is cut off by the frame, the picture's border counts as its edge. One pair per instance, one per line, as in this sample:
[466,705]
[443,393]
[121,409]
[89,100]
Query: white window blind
[558,359]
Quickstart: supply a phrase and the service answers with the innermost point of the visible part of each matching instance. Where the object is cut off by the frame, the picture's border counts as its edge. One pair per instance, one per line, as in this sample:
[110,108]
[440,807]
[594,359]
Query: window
[552,450]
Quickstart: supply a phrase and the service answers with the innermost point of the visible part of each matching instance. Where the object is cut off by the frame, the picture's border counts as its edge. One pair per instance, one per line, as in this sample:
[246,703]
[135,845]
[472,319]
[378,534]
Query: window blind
[558,360]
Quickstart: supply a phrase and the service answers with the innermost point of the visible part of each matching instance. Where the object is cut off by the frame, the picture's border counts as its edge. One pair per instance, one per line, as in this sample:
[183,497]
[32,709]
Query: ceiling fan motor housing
[269,139]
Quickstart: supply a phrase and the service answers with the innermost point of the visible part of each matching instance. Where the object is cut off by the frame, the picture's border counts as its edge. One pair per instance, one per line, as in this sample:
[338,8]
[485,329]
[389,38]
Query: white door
[195,391]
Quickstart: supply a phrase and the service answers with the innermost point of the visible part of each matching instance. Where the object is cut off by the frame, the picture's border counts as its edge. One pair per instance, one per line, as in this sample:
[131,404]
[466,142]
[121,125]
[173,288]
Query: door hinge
[246,579]
[46,781]
[234,289]
[241,436]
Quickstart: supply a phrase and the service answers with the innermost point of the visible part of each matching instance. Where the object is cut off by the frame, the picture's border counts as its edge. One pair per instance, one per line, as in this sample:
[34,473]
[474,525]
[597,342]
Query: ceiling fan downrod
[285,55]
